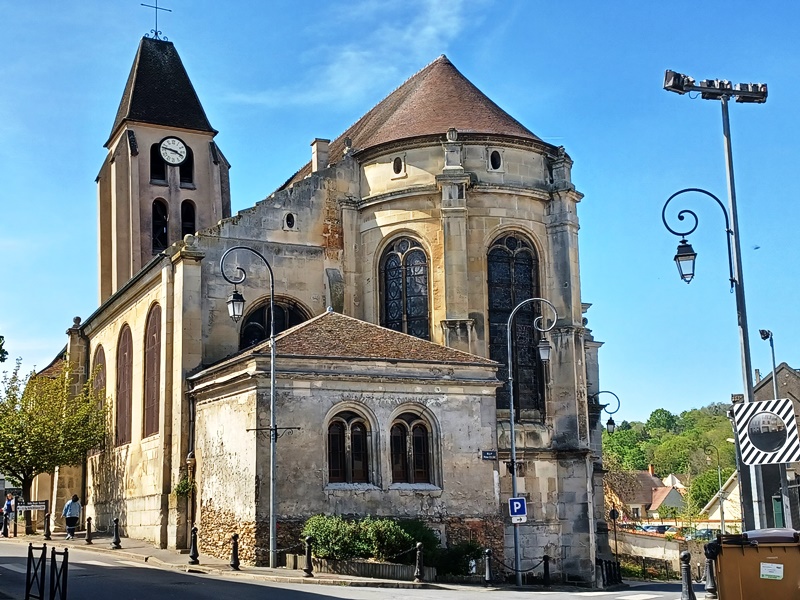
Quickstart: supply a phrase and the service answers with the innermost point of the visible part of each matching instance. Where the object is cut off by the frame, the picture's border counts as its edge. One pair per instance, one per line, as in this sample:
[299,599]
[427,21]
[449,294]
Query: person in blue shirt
[71,513]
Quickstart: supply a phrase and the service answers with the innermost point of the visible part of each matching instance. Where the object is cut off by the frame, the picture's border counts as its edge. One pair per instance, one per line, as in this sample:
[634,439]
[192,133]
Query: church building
[389,266]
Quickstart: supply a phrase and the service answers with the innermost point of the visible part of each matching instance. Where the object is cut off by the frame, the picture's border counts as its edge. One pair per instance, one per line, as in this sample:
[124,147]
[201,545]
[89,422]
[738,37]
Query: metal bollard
[546,573]
[487,563]
[419,568]
[234,564]
[16,517]
[88,530]
[194,555]
[687,593]
[308,570]
[711,551]
[115,542]
[5,525]
[47,526]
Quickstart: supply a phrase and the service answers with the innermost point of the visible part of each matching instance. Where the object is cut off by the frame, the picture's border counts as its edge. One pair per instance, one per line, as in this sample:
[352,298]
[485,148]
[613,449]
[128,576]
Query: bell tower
[164,175]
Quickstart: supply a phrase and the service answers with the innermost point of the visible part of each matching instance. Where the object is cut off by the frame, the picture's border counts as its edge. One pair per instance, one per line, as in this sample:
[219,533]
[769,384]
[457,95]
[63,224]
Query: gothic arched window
[348,449]
[410,448]
[99,384]
[187,218]
[152,372]
[124,381]
[160,225]
[513,277]
[404,288]
[255,328]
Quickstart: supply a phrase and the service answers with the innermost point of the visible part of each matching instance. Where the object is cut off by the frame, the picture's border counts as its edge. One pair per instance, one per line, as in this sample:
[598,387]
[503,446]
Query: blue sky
[272,76]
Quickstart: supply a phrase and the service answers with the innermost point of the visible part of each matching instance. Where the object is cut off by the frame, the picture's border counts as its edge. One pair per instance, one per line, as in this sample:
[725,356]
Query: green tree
[3,352]
[43,426]
[662,419]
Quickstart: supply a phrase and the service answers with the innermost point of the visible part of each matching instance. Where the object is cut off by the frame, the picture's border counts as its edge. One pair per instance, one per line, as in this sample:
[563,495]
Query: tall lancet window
[187,218]
[513,277]
[152,372]
[404,288]
[124,384]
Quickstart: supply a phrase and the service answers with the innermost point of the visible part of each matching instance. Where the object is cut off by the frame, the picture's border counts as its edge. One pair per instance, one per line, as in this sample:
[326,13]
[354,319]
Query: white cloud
[395,48]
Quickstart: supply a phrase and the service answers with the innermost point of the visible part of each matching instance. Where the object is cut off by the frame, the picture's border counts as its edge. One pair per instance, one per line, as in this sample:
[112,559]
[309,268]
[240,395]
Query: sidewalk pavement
[139,550]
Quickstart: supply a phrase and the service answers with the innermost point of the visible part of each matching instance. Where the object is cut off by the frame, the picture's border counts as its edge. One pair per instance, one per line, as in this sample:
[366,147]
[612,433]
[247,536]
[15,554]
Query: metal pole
[721,498]
[517,568]
[787,506]
[756,483]
[273,427]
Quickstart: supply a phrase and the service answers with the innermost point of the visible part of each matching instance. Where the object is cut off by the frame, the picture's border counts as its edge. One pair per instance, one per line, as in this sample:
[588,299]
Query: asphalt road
[94,576]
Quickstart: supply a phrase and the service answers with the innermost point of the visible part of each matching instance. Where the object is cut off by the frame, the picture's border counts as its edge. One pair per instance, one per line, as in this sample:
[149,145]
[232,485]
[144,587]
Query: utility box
[758,564]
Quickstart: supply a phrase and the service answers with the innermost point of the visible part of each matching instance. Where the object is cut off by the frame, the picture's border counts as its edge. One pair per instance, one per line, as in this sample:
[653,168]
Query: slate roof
[658,496]
[333,335]
[159,91]
[429,103]
[643,492]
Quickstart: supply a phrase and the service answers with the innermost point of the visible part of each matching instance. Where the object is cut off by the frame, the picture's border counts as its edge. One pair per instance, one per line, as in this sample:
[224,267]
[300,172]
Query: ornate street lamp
[236,310]
[611,426]
[544,354]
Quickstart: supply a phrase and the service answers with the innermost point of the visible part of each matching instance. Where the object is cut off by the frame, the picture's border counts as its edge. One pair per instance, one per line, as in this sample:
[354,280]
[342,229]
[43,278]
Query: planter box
[360,568]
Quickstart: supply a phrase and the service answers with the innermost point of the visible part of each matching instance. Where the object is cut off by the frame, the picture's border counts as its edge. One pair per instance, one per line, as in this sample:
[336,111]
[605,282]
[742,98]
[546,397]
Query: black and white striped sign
[767,432]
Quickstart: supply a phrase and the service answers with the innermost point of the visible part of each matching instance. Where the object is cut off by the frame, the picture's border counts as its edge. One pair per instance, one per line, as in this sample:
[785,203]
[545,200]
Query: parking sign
[518,509]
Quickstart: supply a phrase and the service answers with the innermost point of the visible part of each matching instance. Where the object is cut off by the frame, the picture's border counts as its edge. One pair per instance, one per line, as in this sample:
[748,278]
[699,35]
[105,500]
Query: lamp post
[544,354]
[766,334]
[707,449]
[611,427]
[236,310]
[722,90]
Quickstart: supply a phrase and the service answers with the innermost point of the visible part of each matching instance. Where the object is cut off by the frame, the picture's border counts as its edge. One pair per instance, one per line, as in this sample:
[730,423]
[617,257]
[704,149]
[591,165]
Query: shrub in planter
[386,539]
[335,538]
[420,532]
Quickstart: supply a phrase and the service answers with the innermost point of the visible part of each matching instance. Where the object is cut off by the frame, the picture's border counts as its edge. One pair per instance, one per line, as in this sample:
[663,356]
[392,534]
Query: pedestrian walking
[71,513]
[9,506]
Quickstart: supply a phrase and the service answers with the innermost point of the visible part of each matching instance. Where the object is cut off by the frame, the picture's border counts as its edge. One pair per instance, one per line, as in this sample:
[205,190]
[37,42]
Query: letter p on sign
[518,510]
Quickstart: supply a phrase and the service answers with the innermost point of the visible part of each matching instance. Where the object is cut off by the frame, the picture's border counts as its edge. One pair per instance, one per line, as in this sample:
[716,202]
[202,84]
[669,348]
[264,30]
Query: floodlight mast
[722,90]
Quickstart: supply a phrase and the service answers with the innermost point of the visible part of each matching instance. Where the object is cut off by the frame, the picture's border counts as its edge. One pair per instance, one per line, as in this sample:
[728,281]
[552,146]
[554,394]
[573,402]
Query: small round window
[495,160]
[397,165]
[290,221]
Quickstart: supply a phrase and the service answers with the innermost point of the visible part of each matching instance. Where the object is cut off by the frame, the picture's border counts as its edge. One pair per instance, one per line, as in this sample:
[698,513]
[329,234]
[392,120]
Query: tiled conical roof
[429,103]
[159,91]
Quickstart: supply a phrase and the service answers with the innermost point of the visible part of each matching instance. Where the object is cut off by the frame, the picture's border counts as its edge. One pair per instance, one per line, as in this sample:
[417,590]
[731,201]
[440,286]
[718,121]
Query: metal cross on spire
[156,34]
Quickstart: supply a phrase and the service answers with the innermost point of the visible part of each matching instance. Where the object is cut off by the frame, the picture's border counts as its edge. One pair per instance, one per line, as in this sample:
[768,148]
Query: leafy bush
[335,538]
[386,538]
[418,531]
[455,559]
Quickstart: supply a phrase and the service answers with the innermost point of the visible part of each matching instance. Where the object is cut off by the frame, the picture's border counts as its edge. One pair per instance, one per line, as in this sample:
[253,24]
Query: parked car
[631,527]
[681,531]
[656,528]
[703,534]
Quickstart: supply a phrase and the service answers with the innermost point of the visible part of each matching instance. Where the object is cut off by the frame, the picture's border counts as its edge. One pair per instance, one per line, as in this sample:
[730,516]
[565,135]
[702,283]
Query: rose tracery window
[513,276]
[404,288]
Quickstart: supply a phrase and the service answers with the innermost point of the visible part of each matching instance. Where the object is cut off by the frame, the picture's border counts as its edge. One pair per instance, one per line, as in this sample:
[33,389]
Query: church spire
[159,92]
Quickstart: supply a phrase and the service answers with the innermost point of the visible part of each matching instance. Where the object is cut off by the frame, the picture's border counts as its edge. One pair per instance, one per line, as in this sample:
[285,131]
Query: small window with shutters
[152,372]
[123,391]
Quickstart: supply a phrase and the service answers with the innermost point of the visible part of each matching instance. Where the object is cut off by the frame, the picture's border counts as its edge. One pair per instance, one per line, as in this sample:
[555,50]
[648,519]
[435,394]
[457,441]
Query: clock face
[173,151]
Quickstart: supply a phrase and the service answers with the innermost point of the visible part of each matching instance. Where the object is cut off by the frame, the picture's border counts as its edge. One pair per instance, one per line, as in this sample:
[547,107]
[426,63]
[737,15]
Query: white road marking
[639,597]
[594,594]
[96,563]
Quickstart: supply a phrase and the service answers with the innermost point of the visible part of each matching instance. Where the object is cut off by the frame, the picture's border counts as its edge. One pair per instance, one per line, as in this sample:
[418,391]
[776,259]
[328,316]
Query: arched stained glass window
[513,277]
[348,449]
[404,288]
[160,225]
[255,328]
[124,381]
[152,372]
